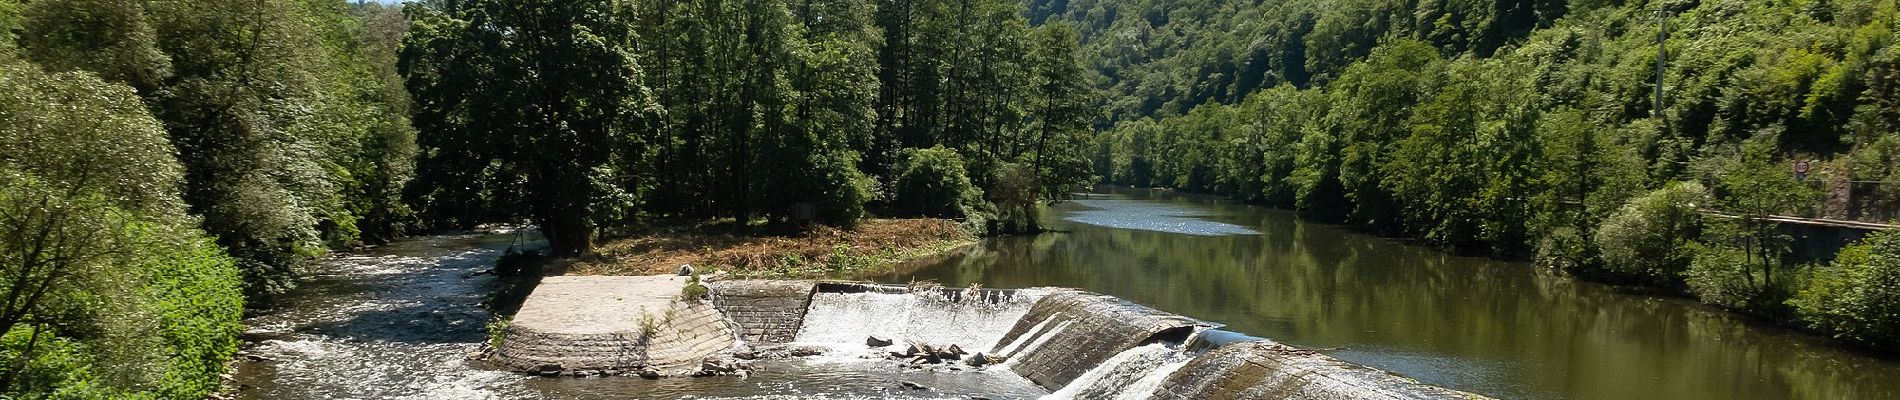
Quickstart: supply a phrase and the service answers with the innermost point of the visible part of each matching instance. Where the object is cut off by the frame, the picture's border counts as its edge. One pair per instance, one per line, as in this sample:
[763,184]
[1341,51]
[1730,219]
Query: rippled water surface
[1474,324]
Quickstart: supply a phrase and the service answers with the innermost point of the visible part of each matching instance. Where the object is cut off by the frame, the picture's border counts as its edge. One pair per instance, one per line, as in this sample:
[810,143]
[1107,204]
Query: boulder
[719,367]
[980,360]
[875,341]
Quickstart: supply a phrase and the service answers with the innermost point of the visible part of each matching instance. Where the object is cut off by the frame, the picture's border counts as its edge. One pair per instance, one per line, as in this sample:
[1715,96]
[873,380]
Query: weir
[1099,327]
[1076,344]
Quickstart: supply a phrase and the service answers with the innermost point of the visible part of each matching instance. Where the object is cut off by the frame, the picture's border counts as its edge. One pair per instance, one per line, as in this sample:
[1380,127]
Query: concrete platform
[582,305]
[613,325]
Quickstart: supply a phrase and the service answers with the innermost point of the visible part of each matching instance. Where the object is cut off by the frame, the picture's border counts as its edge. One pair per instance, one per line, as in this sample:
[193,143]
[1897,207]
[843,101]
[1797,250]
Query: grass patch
[498,330]
[874,247]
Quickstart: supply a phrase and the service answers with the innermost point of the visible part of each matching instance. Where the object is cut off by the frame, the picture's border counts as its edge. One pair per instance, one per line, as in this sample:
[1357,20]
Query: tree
[1060,108]
[543,92]
[106,289]
[1754,187]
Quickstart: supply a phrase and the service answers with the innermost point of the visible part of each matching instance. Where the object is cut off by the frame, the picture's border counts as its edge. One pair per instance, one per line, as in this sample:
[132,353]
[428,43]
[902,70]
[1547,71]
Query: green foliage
[292,137]
[1503,126]
[1649,238]
[933,182]
[1857,298]
[1564,251]
[1723,276]
[112,292]
[526,117]
[693,290]
[498,331]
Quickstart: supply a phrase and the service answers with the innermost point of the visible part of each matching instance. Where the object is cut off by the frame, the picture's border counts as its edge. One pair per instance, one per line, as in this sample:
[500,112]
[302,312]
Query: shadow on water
[1484,325]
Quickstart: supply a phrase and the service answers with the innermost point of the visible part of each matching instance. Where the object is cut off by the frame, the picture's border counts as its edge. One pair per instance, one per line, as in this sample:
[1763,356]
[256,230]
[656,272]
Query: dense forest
[168,163]
[586,117]
[165,164]
[1533,129]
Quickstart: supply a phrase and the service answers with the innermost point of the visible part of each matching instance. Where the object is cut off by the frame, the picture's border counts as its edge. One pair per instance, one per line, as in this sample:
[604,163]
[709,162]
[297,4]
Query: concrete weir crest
[1075,343]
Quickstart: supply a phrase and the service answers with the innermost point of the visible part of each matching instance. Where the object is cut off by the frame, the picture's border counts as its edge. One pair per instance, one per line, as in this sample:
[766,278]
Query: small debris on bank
[778,351]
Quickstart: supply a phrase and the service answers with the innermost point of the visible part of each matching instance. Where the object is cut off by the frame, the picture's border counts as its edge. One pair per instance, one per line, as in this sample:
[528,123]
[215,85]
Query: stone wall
[764,311]
[1096,328]
[680,339]
[1269,370]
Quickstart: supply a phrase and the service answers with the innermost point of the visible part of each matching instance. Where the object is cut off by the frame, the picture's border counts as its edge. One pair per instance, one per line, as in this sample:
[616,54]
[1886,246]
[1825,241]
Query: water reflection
[1159,217]
[1475,324]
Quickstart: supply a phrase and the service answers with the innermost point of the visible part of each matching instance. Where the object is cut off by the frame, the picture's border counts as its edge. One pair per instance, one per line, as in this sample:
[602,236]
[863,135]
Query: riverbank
[875,246]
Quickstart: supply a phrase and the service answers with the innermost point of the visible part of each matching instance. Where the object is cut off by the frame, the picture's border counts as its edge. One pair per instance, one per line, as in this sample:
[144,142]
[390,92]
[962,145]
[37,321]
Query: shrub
[1563,252]
[1647,238]
[694,290]
[933,182]
[1723,276]
[844,190]
[1857,298]
[498,331]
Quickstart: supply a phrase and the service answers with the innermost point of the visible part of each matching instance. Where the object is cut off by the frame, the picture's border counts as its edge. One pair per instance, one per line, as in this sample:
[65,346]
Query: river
[1476,324]
[397,322]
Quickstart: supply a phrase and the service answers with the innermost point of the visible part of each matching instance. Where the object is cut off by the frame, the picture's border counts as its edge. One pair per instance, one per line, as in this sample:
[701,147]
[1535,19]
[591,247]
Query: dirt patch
[823,252]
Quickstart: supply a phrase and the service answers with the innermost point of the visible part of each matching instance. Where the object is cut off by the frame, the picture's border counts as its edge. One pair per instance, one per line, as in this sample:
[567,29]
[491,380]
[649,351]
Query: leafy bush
[1857,298]
[933,182]
[843,189]
[1648,238]
[498,330]
[1563,251]
[1013,191]
[1723,276]
[694,290]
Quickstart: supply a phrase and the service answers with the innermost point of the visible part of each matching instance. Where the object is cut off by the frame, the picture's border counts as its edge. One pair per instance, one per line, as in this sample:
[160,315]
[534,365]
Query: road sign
[1801,170]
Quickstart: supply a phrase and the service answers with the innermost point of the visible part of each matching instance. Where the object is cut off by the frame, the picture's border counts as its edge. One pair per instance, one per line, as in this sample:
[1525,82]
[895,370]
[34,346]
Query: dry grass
[823,252]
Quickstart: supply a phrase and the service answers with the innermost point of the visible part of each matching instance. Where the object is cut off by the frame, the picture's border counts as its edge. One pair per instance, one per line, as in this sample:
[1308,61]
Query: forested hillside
[1526,128]
[160,160]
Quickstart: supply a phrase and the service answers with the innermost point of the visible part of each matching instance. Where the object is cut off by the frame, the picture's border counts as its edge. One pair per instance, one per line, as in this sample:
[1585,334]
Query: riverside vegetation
[1531,129]
[166,163]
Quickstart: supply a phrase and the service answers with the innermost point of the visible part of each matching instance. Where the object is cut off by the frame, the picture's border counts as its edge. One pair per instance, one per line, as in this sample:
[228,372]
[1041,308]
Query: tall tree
[543,92]
[1061,108]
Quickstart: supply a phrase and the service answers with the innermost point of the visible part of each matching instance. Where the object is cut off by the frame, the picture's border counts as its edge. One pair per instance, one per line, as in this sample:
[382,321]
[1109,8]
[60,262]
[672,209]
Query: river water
[397,322]
[1481,325]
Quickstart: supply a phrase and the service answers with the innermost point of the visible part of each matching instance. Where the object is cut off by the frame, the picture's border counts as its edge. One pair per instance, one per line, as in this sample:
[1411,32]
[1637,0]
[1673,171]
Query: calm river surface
[1475,324]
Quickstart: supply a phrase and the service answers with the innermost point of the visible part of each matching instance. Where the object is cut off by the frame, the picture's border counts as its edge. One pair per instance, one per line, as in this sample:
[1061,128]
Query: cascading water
[974,323]
[1133,374]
